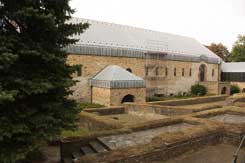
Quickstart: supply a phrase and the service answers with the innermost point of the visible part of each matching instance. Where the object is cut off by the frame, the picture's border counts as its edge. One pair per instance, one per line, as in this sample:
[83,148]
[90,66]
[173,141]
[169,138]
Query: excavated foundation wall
[175,149]
[156,109]
[191,101]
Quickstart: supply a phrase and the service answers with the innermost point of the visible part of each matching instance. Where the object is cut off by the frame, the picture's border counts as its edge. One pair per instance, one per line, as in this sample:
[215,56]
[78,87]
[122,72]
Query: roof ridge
[132,27]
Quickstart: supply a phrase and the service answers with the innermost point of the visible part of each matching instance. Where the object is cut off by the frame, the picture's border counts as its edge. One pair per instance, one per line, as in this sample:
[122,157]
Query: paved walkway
[221,153]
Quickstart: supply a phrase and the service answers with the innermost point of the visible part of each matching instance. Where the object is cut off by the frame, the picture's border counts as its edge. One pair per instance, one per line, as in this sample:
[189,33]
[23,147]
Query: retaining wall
[190,101]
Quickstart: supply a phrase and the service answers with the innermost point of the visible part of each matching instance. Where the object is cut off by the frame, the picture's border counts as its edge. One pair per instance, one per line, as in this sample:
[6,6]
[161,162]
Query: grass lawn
[81,130]
[150,99]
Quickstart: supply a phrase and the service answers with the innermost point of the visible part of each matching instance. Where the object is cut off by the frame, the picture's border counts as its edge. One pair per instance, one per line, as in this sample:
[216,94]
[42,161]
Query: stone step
[87,150]
[66,160]
[97,146]
[76,156]
[103,144]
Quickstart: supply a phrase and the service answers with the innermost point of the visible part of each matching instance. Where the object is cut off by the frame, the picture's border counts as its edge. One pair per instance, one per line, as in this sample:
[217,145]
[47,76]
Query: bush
[198,90]
[234,89]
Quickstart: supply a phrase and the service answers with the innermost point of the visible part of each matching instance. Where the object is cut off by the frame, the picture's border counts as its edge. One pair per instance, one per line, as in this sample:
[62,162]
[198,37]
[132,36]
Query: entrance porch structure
[114,85]
[234,72]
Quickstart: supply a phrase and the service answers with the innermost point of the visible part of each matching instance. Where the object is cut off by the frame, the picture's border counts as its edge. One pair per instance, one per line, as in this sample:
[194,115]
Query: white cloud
[205,20]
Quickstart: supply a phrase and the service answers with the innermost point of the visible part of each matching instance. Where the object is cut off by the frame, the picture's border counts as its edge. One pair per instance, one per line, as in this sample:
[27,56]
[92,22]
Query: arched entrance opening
[202,73]
[128,98]
[223,91]
[129,70]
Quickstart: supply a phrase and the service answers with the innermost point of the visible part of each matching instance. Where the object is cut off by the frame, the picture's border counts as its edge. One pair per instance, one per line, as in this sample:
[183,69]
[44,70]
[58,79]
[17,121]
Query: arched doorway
[128,98]
[129,70]
[223,91]
[202,73]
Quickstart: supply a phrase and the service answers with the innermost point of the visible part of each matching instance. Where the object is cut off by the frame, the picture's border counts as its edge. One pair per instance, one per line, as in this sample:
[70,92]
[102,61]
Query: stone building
[169,64]
[115,85]
[234,72]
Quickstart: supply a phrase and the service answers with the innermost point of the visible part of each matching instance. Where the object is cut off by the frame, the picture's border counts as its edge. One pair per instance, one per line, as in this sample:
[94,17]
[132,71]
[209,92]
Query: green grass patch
[70,133]
[89,105]
[80,130]
[151,99]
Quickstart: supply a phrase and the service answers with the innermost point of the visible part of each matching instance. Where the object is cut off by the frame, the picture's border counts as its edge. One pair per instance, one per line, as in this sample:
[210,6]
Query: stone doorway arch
[202,72]
[224,91]
[128,98]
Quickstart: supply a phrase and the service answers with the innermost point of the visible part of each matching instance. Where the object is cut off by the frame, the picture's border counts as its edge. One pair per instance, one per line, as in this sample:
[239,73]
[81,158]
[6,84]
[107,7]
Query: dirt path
[221,153]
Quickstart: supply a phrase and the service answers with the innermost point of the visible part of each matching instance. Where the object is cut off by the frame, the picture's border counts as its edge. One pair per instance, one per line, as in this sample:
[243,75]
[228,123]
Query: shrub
[198,90]
[234,89]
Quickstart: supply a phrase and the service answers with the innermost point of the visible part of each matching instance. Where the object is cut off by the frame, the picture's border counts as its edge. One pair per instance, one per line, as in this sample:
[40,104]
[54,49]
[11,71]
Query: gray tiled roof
[233,67]
[116,77]
[102,34]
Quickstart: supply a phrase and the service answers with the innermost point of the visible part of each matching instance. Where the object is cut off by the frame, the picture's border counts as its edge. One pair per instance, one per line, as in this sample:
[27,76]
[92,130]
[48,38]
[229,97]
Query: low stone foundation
[190,101]
[106,110]
[201,132]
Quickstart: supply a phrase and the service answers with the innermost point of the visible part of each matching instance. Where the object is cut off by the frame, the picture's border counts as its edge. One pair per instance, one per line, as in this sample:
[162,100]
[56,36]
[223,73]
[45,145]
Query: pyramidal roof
[114,76]
[114,72]
[121,36]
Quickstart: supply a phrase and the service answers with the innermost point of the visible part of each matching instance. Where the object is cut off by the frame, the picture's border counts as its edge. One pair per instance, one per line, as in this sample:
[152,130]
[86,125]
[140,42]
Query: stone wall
[225,85]
[212,87]
[155,84]
[216,87]
[94,122]
[106,110]
[155,109]
[101,96]
[118,94]
[113,97]
[190,101]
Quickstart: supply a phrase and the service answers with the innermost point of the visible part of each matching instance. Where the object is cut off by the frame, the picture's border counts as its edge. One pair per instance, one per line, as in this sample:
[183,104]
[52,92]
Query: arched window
[129,70]
[202,72]
[128,98]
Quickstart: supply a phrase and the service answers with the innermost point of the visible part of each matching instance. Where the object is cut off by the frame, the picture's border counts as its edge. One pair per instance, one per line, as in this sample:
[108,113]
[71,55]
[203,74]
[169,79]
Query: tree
[34,76]
[238,50]
[220,50]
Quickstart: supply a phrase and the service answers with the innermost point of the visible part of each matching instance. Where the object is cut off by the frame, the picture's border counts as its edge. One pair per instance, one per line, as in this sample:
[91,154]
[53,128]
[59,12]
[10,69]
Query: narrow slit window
[183,72]
[212,72]
[157,71]
[79,70]
[190,72]
[146,71]
[175,72]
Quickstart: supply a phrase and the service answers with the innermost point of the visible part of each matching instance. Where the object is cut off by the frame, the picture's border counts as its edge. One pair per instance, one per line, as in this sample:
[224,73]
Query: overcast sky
[205,20]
